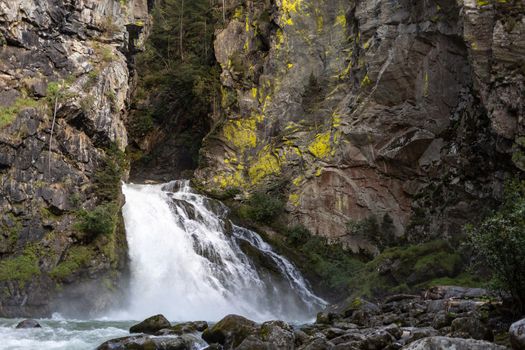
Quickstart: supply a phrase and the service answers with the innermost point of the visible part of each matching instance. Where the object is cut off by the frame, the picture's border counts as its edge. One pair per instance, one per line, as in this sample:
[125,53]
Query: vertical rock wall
[408,111]
[70,62]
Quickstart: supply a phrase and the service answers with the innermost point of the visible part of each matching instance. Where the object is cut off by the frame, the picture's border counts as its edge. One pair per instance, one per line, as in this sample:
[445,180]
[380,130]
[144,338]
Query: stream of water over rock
[188,262]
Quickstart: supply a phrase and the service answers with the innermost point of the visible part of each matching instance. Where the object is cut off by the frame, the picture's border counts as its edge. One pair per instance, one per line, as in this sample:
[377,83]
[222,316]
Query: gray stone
[444,343]
[517,335]
[28,324]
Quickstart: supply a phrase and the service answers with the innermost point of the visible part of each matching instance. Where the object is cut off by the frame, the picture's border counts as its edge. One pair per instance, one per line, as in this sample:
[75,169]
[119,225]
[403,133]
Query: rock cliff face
[408,111]
[66,67]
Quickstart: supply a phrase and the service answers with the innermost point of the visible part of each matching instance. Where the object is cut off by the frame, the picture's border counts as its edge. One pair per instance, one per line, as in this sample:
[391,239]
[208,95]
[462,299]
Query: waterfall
[189,262]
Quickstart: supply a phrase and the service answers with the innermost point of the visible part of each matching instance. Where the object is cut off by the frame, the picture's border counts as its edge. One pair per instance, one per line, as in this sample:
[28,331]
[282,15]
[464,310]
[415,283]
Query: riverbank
[441,318]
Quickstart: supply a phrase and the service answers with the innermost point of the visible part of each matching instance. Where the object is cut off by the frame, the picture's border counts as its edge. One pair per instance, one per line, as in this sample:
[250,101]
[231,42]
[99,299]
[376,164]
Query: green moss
[464,279]
[76,258]
[109,174]
[445,261]
[327,264]
[8,113]
[20,268]
[410,268]
[11,225]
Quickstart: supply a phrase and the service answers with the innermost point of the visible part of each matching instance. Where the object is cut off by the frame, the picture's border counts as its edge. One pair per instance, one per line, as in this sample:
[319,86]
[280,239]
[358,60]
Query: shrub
[380,233]
[109,174]
[141,123]
[329,264]
[99,221]
[499,242]
[20,268]
[264,208]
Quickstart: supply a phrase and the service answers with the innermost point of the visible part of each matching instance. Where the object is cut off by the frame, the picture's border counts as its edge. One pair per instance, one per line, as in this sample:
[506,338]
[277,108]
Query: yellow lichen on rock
[321,146]
[264,165]
[341,20]
[242,133]
[294,199]
[288,8]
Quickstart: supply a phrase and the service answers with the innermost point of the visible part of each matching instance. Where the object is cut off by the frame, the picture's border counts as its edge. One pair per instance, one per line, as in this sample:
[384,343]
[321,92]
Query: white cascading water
[188,262]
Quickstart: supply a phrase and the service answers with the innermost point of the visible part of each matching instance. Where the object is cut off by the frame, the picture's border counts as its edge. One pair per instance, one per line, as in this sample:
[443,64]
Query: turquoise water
[58,334]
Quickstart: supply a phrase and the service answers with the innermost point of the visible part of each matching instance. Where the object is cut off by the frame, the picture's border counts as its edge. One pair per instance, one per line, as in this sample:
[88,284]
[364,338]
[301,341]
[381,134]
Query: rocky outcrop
[65,74]
[408,113]
[401,321]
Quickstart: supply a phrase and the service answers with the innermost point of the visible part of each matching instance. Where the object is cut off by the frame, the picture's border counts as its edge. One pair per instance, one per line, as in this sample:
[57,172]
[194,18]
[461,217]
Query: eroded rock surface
[409,113]
[65,75]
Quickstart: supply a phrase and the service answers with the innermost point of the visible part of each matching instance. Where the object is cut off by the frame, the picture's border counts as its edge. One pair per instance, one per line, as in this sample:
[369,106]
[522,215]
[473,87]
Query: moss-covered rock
[230,331]
[151,325]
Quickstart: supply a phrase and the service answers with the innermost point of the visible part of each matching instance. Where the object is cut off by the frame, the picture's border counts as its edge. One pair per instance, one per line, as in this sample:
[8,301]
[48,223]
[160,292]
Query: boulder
[318,344]
[151,325]
[146,342]
[278,335]
[230,331]
[517,335]
[184,328]
[471,327]
[411,334]
[29,323]
[445,343]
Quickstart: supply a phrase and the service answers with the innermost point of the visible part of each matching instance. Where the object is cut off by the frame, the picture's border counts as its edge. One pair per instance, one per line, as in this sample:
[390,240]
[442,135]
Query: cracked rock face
[65,77]
[409,113]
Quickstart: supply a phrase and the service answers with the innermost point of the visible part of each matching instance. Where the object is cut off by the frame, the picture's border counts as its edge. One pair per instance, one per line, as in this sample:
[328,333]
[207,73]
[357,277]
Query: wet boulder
[29,323]
[184,328]
[445,343]
[230,331]
[151,325]
[146,342]
[517,335]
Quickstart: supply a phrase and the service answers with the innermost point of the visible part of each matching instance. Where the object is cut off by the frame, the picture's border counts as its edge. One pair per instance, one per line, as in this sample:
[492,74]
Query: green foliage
[142,123]
[99,221]
[109,174]
[9,113]
[20,268]
[76,258]
[263,208]
[58,92]
[381,234]
[499,242]
[328,263]
[179,73]
[410,268]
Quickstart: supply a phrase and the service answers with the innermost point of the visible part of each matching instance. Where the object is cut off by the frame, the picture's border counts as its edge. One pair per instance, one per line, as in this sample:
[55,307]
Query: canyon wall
[406,111]
[66,69]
